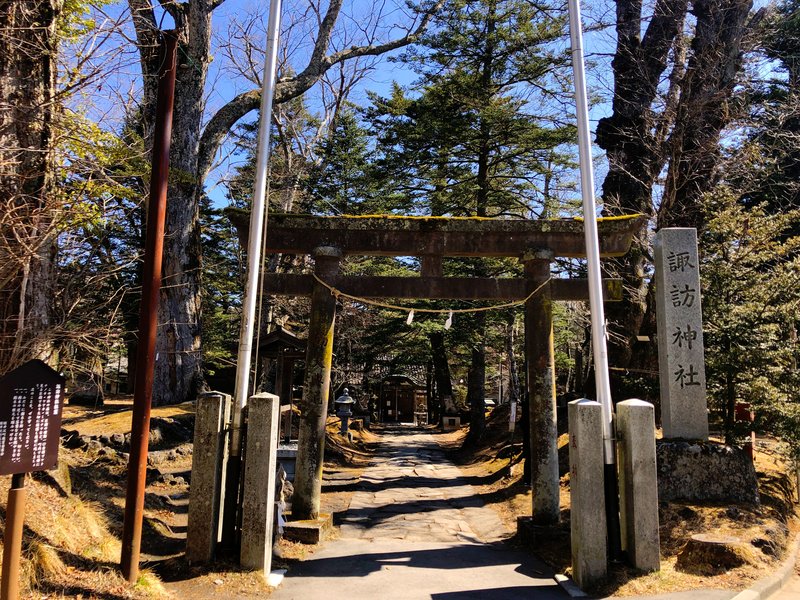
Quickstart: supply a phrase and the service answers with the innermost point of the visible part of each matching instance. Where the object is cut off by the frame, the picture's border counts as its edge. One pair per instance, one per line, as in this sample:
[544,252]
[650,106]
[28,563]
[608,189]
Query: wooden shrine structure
[535,243]
[285,348]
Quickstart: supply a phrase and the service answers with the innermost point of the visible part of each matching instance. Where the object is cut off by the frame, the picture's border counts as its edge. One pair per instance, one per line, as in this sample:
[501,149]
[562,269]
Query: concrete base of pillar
[638,483]
[309,531]
[258,492]
[209,458]
[587,501]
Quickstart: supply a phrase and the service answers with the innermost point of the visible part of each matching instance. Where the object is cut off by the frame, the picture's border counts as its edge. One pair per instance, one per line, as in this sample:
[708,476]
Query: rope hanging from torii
[441,311]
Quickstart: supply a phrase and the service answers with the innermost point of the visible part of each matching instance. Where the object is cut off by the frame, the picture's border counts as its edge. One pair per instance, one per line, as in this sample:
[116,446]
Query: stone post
[587,501]
[209,457]
[681,361]
[541,389]
[316,389]
[638,483]
[258,492]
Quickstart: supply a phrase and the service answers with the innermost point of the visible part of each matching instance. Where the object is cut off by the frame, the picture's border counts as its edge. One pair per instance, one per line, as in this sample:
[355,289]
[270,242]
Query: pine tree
[479,138]
[772,176]
[342,182]
[750,275]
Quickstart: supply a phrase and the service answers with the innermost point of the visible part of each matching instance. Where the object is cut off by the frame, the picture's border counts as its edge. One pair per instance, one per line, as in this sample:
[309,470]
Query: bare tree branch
[291,87]
[173,8]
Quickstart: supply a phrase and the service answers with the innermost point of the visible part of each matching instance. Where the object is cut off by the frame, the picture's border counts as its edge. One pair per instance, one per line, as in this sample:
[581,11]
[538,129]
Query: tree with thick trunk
[656,122]
[28,199]
[633,138]
[194,146]
[705,109]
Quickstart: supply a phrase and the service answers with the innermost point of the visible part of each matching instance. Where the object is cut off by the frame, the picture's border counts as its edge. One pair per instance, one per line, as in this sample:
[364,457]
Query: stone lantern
[344,409]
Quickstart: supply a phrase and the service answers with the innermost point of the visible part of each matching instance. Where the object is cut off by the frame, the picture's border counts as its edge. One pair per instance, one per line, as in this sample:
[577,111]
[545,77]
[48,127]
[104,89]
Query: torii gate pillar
[541,388]
[316,389]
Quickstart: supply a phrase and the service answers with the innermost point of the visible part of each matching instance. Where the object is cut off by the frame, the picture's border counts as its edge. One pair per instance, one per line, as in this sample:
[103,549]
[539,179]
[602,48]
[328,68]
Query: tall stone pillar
[209,459]
[541,388]
[638,483]
[316,389]
[681,362]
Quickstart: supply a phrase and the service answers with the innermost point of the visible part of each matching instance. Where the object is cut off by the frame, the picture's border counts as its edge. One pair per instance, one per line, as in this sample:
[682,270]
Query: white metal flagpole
[590,231]
[258,217]
[599,350]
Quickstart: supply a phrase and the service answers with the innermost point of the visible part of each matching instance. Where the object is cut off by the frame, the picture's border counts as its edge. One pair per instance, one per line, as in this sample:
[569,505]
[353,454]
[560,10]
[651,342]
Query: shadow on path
[417,529]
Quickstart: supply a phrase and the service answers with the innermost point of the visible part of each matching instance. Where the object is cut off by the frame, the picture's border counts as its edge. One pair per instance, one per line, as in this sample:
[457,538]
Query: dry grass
[72,541]
[115,416]
[69,548]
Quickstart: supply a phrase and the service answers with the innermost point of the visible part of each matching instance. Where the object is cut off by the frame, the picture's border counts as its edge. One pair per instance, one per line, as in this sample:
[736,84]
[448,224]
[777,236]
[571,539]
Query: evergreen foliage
[483,135]
[751,295]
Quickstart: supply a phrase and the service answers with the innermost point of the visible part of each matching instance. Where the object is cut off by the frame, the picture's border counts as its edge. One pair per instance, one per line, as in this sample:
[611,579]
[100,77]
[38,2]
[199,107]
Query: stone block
[209,458]
[308,531]
[451,422]
[706,472]
[587,501]
[638,483]
[258,492]
[681,362]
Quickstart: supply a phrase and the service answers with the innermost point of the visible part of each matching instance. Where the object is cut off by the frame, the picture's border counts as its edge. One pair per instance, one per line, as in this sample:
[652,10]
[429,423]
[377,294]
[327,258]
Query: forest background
[444,108]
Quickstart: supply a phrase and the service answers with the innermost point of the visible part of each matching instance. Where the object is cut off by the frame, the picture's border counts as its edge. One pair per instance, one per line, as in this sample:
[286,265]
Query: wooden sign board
[31,397]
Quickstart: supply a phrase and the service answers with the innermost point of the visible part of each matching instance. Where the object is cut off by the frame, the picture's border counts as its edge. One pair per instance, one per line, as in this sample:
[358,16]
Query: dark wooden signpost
[31,398]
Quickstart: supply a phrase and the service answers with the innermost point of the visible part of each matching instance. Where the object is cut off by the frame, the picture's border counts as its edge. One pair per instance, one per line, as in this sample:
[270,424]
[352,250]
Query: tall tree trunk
[28,202]
[179,362]
[476,377]
[476,381]
[706,90]
[630,137]
[178,371]
[441,368]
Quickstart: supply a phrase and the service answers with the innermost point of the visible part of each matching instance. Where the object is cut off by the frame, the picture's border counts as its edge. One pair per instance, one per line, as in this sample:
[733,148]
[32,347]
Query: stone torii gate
[535,243]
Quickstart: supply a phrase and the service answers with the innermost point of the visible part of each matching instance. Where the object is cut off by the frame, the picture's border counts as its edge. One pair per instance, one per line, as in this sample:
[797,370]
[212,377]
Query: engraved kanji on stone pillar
[681,360]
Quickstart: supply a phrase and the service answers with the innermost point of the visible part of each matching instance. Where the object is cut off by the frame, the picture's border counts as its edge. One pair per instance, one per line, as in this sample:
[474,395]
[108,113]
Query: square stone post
[681,362]
[316,389]
[587,502]
[638,483]
[258,492]
[209,457]
[541,388]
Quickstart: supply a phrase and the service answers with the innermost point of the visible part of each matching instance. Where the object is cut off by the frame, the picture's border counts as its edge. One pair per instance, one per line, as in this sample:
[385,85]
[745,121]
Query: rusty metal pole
[148,315]
[541,389]
[12,538]
[316,389]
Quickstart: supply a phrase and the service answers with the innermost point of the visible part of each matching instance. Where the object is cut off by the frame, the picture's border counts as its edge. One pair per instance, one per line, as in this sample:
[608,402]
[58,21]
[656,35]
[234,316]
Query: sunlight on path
[416,529]
[413,492]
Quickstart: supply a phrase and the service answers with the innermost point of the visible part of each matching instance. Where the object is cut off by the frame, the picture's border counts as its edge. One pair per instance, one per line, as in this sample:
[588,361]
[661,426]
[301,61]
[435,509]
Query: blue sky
[599,47]
[223,84]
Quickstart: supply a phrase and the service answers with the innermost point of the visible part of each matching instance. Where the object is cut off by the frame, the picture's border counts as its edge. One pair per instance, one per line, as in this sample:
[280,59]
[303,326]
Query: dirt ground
[74,516]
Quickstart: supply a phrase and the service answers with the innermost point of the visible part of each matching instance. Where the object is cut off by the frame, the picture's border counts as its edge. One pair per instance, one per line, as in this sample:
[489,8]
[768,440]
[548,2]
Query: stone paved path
[415,529]
[414,493]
